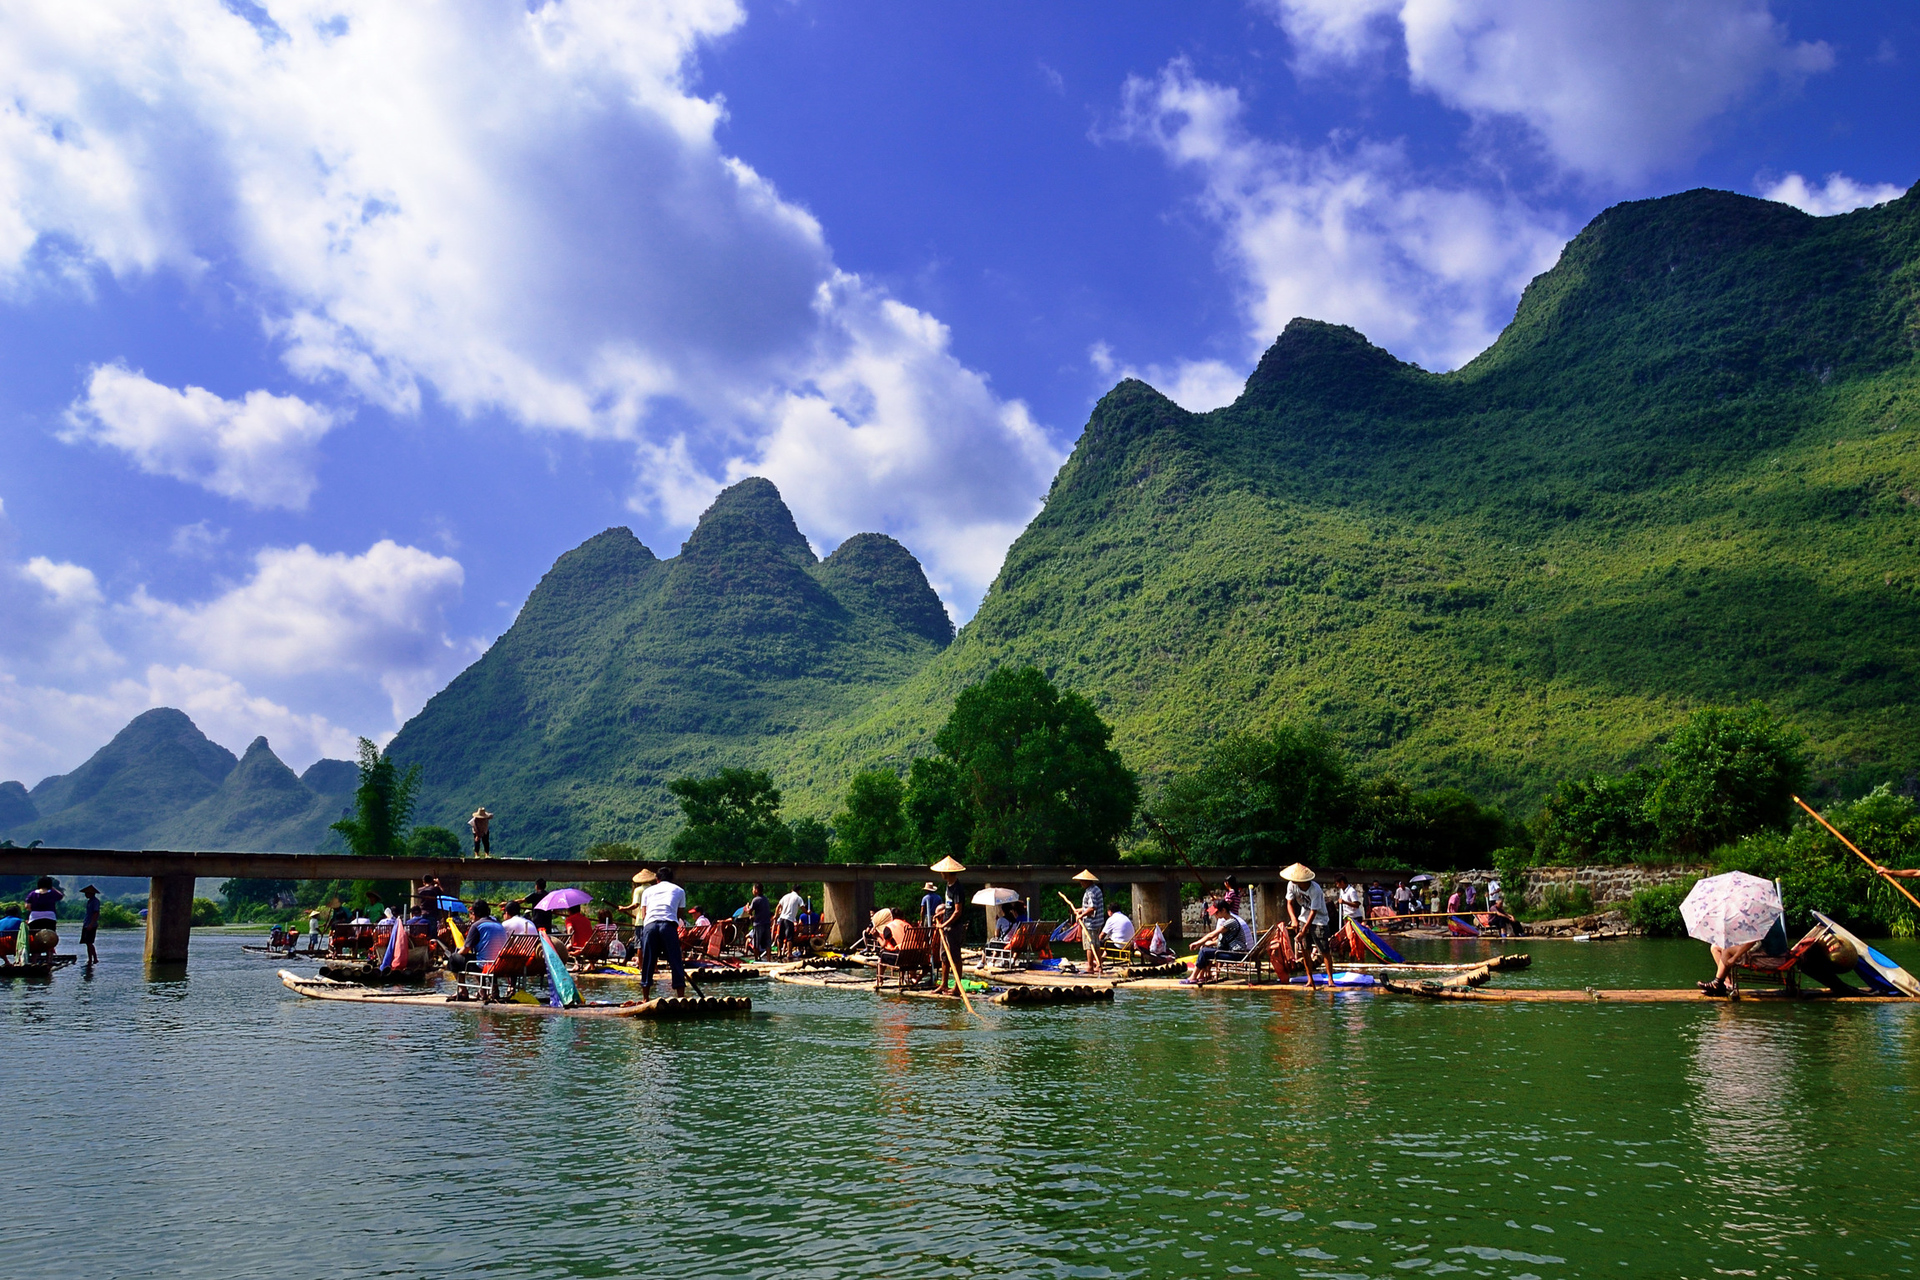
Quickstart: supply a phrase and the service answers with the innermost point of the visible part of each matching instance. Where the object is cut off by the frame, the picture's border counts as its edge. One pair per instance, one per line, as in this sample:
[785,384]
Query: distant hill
[624,672]
[162,784]
[1688,472]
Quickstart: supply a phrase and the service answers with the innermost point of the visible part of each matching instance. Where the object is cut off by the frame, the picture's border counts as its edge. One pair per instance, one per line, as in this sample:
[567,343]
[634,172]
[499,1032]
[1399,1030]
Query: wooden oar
[1878,869]
[959,977]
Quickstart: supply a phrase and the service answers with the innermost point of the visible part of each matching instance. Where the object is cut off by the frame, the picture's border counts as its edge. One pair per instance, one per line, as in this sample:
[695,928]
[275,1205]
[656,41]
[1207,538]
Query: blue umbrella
[450,904]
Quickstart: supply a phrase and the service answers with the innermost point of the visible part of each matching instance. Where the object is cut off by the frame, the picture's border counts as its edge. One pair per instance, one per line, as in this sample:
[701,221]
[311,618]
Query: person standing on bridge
[481,824]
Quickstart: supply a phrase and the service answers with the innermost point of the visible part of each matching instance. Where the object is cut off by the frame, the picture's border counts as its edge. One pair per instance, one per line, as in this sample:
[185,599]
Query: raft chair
[706,947]
[810,936]
[1025,944]
[519,958]
[1785,970]
[912,958]
[600,945]
[1272,954]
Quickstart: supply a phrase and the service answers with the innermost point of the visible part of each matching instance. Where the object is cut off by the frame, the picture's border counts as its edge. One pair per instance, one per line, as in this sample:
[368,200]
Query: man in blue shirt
[930,901]
[485,937]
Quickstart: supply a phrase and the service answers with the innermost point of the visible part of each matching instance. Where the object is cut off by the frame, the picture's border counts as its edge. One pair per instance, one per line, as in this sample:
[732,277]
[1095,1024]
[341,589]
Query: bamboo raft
[851,975]
[614,972]
[1629,995]
[41,967]
[669,1008]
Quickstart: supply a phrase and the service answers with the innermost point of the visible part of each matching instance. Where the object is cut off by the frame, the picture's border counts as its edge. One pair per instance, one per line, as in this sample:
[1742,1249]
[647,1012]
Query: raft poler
[949,924]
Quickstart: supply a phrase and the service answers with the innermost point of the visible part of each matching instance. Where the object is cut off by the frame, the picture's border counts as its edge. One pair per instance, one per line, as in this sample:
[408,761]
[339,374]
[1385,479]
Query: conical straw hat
[946,864]
[1088,876]
[645,877]
[1299,873]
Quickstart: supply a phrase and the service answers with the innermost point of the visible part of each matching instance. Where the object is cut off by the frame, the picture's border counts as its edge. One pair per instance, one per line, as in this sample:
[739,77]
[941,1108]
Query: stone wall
[1614,882]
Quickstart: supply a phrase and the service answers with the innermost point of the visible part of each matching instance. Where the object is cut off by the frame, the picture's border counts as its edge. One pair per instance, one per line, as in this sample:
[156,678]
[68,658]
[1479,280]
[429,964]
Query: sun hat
[1088,876]
[883,916]
[929,887]
[1299,873]
[946,864]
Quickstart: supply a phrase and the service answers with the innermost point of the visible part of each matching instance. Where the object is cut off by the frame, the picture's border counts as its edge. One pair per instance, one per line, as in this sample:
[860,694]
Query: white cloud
[518,208]
[1614,91]
[1841,194]
[259,449]
[1349,233]
[362,635]
[381,614]
[893,431]
[1194,385]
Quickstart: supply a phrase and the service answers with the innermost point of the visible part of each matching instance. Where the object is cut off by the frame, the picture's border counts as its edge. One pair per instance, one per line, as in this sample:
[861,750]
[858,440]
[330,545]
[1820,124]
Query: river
[221,1126]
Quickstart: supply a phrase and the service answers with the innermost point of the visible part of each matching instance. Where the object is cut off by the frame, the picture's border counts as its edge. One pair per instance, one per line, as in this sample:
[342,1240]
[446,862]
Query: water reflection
[1743,1064]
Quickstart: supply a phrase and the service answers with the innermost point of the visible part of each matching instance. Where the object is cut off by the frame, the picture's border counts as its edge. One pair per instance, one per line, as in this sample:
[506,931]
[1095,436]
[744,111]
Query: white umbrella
[1730,909]
[992,897]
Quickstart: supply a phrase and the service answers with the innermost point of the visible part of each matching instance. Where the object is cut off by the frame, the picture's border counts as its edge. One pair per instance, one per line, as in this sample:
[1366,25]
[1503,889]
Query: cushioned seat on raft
[1272,954]
[1809,956]
[519,957]
[908,953]
[1025,944]
[705,946]
[810,936]
[600,945]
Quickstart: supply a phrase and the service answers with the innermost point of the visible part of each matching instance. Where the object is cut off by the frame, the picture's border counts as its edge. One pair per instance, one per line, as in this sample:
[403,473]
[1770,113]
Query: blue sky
[326,327]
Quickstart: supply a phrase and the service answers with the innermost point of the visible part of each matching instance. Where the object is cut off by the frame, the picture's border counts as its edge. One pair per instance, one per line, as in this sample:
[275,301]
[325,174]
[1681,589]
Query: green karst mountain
[1688,472]
[624,672]
[162,784]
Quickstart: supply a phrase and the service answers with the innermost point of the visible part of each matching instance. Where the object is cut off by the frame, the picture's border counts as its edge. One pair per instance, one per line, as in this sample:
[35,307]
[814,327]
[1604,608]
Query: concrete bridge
[846,889]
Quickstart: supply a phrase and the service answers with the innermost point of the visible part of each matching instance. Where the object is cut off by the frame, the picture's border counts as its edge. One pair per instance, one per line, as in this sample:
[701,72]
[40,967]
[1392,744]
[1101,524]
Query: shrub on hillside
[1818,873]
[1657,910]
[206,911]
[1562,901]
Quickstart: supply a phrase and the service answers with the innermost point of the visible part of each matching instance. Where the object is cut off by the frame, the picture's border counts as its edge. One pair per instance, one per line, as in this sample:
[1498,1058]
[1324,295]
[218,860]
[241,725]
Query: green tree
[254,894]
[382,805]
[1818,873]
[939,811]
[872,826]
[1261,799]
[1597,819]
[1728,773]
[810,840]
[1037,771]
[434,842]
[732,816]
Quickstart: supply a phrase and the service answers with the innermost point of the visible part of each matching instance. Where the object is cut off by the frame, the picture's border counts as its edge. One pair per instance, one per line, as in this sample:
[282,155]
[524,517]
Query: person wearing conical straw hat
[656,906]
[947,921]
[1092,915]
[1307,917]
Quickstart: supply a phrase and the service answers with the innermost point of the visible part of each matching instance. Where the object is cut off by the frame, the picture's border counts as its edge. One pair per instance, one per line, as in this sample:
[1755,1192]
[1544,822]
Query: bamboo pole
[1877,868]
[959,977]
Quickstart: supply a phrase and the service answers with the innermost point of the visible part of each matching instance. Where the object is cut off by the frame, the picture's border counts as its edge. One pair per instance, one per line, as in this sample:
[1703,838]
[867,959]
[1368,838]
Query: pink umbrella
[561,899]
[1730,909]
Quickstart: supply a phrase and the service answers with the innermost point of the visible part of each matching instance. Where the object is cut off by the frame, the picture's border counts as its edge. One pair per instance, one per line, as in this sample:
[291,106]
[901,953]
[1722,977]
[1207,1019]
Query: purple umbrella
[561,899]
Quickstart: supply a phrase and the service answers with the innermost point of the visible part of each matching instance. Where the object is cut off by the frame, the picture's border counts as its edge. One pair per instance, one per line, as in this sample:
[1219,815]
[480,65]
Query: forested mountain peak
[746,519]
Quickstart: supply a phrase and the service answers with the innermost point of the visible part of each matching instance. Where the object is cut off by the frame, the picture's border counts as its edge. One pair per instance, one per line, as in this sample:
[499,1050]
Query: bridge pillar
[1159,903]
[169,919]
[849,905]
[1269,906]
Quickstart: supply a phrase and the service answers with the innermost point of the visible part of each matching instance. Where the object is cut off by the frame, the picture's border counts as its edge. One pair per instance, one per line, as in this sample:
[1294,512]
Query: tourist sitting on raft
[514,921]
[1119,930]
[576,932]
[1011,914]
[1226,940]
[9,938]
[1725,959]
[485,937]
[42,928]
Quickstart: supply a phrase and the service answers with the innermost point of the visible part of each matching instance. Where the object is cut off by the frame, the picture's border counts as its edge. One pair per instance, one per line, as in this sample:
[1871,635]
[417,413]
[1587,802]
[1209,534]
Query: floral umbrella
[1730,909]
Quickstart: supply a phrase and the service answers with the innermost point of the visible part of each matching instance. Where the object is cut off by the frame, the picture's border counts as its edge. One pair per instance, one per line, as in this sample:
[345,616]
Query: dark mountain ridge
[162,784]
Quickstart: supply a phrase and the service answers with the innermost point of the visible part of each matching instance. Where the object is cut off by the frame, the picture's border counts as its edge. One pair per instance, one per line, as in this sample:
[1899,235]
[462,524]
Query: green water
[220,1126]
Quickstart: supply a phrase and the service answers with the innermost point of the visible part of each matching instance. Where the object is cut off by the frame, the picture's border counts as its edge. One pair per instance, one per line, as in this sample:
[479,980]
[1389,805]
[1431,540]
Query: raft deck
[1631,995]
[664,1008]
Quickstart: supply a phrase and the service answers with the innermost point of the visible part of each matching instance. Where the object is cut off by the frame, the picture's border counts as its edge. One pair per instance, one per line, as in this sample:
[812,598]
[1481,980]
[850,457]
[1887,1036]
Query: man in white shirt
[656,907]
[1119,930]
[1350,901]
[787,919]
[514,922]
[1307,917]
